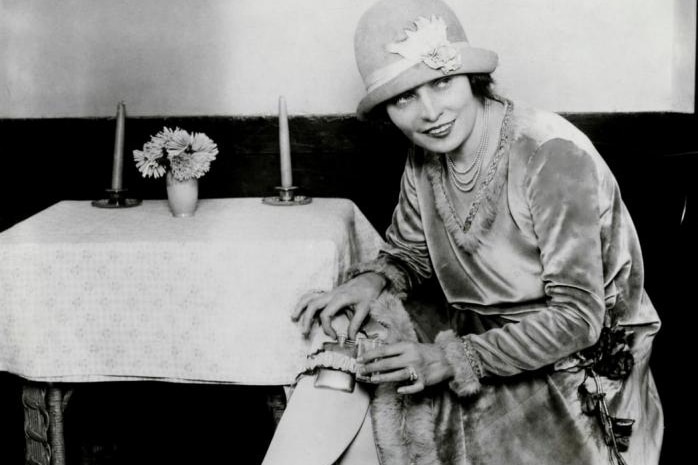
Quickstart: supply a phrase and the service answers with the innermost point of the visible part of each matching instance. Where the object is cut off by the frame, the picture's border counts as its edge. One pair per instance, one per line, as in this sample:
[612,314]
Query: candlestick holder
[287,197]
[116,199]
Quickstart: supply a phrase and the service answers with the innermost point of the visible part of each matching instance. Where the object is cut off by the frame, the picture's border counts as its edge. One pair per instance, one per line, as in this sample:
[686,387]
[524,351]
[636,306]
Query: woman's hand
[355,294]
[419,364]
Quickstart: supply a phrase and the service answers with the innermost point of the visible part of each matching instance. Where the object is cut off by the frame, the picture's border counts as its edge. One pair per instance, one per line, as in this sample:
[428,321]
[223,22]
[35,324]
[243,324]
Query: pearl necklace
[465,179]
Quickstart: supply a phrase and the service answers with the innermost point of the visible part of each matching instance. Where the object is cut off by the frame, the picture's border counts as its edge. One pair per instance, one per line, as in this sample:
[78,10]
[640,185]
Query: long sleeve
[405,260]
[561,190]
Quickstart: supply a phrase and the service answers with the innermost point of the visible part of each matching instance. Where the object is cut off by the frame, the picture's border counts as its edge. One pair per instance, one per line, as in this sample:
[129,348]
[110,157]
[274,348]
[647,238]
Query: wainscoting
[653,155]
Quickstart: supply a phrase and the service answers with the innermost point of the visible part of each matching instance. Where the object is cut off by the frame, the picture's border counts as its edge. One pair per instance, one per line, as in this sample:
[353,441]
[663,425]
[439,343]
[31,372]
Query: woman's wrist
[448,373]
[376,280]
[464,363]
[396,281]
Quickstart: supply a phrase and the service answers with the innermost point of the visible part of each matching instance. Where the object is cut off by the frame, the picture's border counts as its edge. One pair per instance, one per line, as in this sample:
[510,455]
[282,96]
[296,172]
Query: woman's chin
[437,145]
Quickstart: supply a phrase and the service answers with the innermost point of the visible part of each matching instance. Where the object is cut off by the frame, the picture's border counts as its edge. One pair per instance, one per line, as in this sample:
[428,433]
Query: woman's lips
[442,130]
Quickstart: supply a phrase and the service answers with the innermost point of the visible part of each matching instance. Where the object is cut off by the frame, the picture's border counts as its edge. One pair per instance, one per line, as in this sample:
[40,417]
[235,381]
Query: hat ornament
[427,43]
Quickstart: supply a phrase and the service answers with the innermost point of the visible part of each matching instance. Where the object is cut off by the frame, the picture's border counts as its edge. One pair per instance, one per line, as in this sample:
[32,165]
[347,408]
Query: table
[90,294]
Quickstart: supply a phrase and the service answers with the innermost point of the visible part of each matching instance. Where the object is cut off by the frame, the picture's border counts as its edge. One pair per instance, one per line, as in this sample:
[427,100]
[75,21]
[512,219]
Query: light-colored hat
[401,44]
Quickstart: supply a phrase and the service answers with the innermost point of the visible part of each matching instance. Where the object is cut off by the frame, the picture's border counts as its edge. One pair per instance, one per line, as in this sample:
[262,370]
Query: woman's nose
[430,107]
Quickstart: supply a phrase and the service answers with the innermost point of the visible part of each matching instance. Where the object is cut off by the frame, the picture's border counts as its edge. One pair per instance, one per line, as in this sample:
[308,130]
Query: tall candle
[284,145]
[118,164]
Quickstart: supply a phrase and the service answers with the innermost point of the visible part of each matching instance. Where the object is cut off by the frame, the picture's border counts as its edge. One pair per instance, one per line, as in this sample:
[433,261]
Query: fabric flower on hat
[429,44]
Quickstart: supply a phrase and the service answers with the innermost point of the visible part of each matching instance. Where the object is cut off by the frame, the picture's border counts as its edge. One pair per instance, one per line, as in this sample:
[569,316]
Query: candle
[118,165]
[284,146]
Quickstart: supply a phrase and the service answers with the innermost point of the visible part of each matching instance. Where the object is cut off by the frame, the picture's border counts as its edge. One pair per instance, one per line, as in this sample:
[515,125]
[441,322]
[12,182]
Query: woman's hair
[481,84]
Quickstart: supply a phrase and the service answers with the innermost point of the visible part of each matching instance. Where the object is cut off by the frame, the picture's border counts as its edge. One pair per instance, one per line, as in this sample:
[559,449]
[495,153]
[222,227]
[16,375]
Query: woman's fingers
[383,351]
[418,386]
[357,319]
[392,376]
[387,363]
[324,307]
[328,307]
[328,313]
[416,364]
[326,304]
[403,375]
[311,309]
[352,297]
[303,303]
[385,370]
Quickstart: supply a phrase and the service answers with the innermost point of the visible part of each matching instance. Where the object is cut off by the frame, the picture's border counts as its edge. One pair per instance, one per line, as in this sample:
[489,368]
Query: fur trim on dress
[466,366]
[407,428]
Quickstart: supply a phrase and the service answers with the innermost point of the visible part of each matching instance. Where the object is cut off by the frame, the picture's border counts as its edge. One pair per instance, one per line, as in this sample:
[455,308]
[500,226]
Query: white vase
[182,196]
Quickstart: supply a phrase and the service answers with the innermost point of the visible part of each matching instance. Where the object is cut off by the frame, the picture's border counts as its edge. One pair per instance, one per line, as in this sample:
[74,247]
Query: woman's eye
[442,83]
[404,99]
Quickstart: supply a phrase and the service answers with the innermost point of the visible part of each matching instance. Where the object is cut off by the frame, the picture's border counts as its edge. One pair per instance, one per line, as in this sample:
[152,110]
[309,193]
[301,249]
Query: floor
[11,421]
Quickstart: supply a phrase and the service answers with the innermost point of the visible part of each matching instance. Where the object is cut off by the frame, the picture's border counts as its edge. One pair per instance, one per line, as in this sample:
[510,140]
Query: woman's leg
[362,450]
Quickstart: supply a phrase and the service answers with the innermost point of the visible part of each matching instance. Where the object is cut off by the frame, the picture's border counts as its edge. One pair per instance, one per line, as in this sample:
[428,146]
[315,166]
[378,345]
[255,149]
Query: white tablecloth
[91,294]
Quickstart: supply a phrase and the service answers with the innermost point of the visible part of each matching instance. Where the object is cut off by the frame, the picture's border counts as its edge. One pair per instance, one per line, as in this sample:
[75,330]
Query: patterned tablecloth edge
[75,379]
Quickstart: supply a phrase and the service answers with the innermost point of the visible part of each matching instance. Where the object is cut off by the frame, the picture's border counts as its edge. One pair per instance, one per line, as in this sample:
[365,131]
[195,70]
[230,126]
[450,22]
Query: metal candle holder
[116,199]
[287,197]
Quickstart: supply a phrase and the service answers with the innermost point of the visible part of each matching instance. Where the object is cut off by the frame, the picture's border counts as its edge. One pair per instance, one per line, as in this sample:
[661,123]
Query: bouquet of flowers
[186,156]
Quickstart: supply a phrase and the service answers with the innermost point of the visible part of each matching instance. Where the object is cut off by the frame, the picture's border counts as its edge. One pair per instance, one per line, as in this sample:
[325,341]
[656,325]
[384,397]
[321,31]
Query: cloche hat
[401,44]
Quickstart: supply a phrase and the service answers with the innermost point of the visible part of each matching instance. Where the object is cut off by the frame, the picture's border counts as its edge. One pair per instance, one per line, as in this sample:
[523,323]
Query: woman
[519,219]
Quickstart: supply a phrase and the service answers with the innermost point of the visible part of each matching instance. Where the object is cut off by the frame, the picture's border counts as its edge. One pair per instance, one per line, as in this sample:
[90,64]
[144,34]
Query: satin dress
[533,269]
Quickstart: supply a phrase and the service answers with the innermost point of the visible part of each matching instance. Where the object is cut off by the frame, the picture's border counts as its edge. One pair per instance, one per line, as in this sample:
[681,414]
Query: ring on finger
[413,375]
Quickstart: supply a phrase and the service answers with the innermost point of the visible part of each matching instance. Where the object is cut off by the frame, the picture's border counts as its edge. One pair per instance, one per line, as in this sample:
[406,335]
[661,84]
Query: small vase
[182,195]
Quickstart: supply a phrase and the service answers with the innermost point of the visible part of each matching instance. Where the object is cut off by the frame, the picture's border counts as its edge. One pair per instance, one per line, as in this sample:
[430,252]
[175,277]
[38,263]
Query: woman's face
[438,115]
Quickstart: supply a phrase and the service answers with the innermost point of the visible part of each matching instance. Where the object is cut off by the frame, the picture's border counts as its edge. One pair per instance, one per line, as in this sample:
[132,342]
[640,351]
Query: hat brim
[473,60]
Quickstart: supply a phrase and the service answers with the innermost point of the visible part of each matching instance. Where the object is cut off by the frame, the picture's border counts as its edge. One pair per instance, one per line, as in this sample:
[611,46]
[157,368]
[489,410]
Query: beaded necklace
[465,179]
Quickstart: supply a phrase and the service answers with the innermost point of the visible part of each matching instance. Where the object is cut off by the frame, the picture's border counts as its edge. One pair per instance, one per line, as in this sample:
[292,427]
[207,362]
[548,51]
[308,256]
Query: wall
[78,58]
